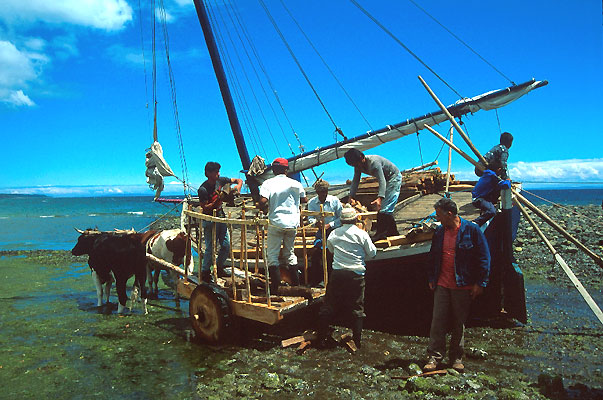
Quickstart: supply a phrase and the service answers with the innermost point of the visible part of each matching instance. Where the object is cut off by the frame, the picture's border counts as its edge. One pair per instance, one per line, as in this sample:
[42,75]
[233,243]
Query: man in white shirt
[282,196]
[350,246]
[330,204]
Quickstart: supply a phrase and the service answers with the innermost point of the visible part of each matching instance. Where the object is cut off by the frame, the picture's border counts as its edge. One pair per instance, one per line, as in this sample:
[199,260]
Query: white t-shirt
[350,246]
[331,204]
[283,194]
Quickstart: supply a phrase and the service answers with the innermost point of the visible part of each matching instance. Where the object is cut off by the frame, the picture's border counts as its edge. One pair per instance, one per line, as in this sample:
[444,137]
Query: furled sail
[486,101]
[157,168]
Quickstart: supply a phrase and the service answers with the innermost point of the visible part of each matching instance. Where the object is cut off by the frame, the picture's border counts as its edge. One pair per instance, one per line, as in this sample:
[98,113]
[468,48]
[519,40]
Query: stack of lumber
[413,183]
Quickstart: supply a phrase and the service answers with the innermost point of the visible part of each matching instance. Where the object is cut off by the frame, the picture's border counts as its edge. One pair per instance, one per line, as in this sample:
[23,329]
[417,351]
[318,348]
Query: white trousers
[277,237]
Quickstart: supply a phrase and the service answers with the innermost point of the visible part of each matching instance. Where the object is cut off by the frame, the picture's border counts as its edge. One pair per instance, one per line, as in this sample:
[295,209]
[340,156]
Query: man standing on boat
[330,204]
[458,271]
[494,178]
[350,246]
[390,181]
[210,200]
[282,196]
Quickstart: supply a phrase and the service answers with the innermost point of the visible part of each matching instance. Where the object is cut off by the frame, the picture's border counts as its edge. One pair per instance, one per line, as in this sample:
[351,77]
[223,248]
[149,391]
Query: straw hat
[349,215]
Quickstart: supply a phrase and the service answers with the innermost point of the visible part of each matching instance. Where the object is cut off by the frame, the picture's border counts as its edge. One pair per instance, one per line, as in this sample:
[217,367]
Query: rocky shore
[585,223]
[556,355]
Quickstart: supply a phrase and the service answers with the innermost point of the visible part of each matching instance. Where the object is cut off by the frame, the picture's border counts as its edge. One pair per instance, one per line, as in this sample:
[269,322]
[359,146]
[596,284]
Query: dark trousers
[345,295]
[487,210]
[450,307]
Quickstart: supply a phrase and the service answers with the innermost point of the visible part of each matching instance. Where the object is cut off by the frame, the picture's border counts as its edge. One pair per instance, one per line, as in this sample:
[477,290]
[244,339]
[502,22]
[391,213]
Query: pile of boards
[413,183]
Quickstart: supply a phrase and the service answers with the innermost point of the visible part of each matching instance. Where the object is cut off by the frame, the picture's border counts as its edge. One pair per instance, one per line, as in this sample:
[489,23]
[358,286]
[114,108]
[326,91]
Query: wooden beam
[568,271]
[454,123]
[233,221]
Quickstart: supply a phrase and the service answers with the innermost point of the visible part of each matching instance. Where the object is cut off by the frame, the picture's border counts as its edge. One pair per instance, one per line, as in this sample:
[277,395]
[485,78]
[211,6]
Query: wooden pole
[244,253]
[589,300]
[597,259]
[266,269]
[257,248]
[324,245]
[449,143]
[201,253]
[232,262]
[454,123]
[305,250]
[188,250]
[213,250]
[451,131]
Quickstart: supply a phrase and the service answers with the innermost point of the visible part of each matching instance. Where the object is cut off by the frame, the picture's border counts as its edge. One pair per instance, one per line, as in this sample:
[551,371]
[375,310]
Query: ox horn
[79,231]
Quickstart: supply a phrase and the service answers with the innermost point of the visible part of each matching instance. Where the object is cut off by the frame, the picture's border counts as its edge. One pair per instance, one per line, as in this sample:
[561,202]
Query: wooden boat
[395,277]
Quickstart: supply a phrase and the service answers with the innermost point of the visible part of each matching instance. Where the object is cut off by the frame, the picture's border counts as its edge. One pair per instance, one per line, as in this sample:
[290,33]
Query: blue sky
[73,94]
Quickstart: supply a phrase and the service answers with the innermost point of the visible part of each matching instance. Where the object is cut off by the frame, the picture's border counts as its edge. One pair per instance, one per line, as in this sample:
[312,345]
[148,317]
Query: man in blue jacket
[458,271]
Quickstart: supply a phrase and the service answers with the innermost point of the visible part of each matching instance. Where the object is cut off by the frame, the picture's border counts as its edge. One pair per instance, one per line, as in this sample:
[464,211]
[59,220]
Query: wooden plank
[307,336]
[303,346]
[234,221]
[347,341]
[185,288]
[256,312]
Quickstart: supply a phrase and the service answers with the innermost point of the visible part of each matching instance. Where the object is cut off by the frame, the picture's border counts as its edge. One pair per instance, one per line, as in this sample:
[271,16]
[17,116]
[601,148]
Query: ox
[169,245]
[120,254]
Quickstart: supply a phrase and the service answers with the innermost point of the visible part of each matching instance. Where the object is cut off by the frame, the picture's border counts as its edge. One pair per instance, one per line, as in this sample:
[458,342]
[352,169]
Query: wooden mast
[223,82]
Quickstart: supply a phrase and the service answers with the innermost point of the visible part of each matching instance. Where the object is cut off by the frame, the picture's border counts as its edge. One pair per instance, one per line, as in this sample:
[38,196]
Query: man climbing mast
[390,181]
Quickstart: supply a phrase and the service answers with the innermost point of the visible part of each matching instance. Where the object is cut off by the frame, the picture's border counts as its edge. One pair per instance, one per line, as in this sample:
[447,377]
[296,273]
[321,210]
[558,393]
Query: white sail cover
[157,168]
[486,101]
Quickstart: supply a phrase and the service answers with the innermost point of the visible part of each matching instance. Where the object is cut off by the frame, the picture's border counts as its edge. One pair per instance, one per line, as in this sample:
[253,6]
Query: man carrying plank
[281,195]
[350,246]
[210,199]
[390,181]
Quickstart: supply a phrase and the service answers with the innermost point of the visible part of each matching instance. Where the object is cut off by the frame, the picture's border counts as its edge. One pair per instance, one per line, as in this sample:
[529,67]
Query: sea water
[35,223]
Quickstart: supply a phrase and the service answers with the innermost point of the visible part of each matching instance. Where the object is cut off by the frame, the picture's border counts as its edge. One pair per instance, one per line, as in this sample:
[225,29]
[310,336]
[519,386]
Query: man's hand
[431,285]
[352,202]
[476,290]
[376,204]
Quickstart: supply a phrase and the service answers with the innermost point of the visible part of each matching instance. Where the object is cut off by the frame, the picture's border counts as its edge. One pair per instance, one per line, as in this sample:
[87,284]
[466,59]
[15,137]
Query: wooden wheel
[209,313]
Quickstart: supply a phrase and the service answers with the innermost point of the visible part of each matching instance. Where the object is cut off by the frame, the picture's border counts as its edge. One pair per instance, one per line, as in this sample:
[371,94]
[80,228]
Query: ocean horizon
[29,222]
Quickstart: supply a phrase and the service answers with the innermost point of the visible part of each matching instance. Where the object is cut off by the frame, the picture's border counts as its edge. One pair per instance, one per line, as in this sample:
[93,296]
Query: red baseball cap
[280,161]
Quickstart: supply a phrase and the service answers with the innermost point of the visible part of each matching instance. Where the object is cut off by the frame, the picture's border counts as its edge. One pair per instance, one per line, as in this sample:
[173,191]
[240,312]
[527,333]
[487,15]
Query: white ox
[168,245]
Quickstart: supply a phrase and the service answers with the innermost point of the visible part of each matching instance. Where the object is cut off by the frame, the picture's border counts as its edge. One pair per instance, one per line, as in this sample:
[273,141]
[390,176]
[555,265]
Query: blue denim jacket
[472,256]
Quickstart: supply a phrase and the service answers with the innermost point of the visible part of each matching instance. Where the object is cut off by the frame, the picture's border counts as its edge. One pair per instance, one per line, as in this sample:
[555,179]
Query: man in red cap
[281,196]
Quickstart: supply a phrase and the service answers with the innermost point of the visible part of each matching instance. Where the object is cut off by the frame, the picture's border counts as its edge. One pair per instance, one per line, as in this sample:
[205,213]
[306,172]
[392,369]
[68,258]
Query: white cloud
[553,171]
[16,98]
[573,170]
[18,68]
[93,190]
[108,15]
[23,59]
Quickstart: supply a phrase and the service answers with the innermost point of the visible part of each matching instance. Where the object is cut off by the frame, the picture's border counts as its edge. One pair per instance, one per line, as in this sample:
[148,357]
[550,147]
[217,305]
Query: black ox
[120,254]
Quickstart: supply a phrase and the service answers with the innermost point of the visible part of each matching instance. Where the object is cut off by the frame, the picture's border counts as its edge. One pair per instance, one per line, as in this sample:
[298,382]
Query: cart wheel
[209,313]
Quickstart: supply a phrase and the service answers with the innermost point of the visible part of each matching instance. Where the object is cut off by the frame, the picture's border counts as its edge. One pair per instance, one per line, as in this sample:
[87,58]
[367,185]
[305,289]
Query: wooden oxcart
[214,305]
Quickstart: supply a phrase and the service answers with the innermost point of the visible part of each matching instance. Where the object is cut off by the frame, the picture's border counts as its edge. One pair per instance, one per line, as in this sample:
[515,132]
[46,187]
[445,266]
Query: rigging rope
[460,40]
[268,80]
[144,63]
[380,25]
[326,65]
[166,40]
[235,85]
[297,62]
[247,77]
